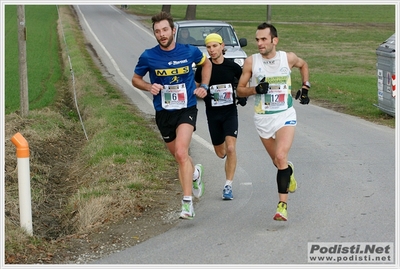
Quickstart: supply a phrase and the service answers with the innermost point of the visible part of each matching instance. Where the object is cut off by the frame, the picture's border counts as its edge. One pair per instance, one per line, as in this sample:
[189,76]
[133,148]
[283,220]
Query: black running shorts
[222,123]
[168,121]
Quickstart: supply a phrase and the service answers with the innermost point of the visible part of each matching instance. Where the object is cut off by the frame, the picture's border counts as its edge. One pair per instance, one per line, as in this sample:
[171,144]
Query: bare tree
[269,13]
[166,8]
[190,12]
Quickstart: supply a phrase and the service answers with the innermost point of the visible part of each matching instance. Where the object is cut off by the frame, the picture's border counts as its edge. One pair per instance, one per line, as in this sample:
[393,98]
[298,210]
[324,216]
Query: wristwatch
[205,86]
[307,83]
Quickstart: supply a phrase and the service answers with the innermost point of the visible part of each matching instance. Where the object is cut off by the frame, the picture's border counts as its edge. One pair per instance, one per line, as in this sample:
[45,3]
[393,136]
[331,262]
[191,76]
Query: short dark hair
[272,29]
[163,16]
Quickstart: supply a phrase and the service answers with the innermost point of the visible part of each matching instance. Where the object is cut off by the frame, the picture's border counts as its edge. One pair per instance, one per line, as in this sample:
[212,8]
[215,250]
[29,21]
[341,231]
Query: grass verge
[78,184]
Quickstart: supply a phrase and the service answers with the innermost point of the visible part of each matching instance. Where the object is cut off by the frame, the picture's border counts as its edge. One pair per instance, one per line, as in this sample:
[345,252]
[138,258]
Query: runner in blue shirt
[174,91]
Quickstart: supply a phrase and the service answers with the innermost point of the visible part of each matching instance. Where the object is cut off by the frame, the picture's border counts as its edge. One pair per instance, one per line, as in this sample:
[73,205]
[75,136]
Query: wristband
[307,84]
[205,86]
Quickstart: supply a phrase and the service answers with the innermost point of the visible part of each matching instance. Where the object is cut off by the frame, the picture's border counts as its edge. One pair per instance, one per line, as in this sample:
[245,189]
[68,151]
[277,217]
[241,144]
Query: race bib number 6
[174,96]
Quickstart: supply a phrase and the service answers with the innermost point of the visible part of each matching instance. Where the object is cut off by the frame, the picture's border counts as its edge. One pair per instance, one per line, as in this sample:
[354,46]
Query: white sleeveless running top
[277,73]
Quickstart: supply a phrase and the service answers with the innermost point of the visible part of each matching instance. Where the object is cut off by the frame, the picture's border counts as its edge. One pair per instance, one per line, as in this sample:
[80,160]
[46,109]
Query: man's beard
[170,39]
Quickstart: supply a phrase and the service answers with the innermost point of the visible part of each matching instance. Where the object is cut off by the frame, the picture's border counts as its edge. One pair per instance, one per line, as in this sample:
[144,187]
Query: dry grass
[71,193]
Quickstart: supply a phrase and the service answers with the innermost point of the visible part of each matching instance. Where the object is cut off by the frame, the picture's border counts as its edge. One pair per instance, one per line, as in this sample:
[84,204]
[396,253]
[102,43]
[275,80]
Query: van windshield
[195,35]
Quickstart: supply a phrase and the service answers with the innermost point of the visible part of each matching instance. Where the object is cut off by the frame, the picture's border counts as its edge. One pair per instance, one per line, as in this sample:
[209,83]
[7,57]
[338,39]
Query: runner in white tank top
[274,115]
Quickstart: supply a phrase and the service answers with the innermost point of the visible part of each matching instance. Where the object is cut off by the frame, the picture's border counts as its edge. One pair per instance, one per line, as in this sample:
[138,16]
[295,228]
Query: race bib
[174,96]
[276,98]
[221,95]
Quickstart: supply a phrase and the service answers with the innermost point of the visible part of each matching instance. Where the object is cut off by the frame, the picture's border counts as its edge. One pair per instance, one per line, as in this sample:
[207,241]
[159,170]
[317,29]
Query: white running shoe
[187,210]
[198,184]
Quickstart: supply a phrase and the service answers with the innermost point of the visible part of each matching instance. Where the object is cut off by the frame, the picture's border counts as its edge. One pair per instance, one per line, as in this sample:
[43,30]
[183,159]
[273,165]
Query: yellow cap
[213,38]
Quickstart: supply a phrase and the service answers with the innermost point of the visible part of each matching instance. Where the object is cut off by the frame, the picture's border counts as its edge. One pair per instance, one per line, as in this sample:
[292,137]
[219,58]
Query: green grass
[281,13]
[42,56]
[121,133]
[124,159]
[338,42]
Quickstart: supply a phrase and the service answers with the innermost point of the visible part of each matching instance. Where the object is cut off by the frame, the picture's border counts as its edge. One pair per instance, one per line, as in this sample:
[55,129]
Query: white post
[24,183]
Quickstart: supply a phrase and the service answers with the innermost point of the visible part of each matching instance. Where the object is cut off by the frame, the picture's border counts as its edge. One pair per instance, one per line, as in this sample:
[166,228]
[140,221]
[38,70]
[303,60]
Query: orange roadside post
[24,182]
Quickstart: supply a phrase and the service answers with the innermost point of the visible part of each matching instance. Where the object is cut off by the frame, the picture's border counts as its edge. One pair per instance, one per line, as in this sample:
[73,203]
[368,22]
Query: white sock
[228,182]
[187,198]
[196,174]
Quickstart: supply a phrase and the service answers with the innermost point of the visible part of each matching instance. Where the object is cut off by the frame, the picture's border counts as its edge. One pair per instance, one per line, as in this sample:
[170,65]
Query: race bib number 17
[222,94]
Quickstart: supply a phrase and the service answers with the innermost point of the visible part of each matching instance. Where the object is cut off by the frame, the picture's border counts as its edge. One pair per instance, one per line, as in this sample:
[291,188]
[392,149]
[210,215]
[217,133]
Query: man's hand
[303,94]
[200,92]
[262,87]
[155,88]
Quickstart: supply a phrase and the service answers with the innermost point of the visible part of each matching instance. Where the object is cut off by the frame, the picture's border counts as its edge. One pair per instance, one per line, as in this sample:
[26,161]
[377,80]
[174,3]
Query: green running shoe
[198,184]
[281,212]
[292,183]
[187,210]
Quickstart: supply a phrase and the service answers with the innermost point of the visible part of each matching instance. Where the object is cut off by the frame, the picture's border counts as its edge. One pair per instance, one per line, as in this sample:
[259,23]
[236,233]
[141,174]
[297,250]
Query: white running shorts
[268,124]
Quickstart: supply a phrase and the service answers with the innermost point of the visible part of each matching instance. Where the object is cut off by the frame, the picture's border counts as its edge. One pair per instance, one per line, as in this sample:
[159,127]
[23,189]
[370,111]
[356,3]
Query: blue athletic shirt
[171,67]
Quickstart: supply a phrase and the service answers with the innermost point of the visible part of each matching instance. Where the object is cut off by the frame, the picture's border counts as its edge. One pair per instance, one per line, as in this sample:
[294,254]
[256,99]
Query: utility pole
[23,77]
[269,13]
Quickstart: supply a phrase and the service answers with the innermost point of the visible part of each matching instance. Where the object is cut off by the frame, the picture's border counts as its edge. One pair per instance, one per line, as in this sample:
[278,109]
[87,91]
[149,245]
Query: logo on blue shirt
[177,62]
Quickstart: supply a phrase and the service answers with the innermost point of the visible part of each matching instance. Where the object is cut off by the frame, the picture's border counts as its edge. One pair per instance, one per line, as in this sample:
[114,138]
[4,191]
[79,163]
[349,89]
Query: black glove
[303,94]
[241,101]
[262,87]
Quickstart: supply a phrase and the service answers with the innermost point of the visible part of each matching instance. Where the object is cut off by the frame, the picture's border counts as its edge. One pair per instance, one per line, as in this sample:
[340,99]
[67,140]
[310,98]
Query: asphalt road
[344,166]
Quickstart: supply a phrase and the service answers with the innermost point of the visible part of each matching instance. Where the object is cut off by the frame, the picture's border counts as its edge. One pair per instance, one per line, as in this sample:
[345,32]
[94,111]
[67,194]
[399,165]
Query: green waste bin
[386,75]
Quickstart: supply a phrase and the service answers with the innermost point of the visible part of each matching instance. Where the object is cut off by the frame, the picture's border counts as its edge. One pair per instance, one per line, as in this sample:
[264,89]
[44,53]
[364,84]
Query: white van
[199,29]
